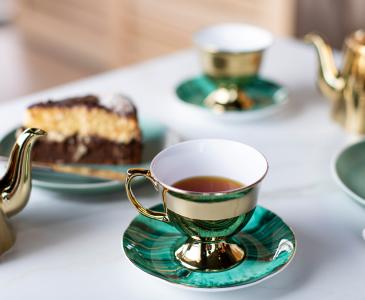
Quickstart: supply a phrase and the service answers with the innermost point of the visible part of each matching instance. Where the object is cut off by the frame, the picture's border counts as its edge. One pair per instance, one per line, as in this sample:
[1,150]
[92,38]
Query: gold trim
[212,210]
[226,64]
[209,255]
[228,97]
[136,172]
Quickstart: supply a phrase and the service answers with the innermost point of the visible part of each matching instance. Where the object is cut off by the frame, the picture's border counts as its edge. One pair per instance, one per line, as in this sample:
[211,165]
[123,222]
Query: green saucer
[155,137]
[269,243]
[268,96]
[349,171]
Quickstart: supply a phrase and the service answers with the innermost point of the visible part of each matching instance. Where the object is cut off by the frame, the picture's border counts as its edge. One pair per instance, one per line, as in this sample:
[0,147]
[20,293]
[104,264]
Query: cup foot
[209,256]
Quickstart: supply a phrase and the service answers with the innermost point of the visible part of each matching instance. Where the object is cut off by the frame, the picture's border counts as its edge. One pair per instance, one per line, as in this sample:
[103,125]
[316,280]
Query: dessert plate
[268,97]
[348,169]
[155,137]
[269,244]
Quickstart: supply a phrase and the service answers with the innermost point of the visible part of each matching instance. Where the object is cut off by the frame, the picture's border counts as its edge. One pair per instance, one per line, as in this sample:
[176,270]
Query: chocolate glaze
[114,103]
[97,151]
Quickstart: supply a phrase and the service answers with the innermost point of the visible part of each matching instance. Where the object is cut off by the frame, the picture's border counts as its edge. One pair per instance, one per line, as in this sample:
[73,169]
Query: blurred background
[44,43]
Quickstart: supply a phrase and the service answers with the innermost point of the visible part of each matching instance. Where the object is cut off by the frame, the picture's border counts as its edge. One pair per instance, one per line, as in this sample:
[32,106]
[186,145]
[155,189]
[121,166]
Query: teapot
[16,184]
[346,87]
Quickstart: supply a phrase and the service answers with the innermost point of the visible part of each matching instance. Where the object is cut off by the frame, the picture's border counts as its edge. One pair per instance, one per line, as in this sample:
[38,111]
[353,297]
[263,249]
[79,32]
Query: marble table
[68,246]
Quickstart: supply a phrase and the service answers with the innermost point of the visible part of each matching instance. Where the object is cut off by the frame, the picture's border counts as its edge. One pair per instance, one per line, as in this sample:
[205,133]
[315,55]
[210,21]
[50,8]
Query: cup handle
[136,172]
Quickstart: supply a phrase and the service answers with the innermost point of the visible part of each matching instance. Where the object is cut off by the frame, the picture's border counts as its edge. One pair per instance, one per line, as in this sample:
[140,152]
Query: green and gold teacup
[209,220]
[232,50]
[231,56]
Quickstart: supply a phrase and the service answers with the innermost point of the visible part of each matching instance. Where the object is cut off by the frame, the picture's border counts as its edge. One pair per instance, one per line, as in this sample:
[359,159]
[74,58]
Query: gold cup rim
[210,194]
[217,49]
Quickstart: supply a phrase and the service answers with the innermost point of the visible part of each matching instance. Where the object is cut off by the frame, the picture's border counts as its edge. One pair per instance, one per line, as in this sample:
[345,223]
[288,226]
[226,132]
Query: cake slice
[88,129]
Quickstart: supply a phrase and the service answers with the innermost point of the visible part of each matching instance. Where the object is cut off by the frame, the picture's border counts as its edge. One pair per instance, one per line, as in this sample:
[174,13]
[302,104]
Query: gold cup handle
[136,172]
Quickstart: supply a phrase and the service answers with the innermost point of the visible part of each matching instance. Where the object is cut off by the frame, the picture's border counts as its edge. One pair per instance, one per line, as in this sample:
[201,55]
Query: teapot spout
[330,82]
[15,186]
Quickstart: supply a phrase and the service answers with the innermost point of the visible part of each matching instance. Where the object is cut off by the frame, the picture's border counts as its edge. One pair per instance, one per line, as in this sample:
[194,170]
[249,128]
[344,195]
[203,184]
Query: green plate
[349,171]
[268,97]
[269,243]
[155,138]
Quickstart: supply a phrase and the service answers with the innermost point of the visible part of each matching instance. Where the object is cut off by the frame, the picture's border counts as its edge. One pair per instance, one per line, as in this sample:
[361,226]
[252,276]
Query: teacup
[232,50]
[209,220]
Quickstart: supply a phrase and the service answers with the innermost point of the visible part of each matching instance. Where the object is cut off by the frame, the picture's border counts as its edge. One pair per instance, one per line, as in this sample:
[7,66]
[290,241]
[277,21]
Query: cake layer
[113,103]
[113,119]
[93,150]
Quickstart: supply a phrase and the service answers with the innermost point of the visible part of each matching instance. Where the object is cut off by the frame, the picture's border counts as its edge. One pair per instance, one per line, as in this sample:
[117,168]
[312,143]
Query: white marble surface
[68,246]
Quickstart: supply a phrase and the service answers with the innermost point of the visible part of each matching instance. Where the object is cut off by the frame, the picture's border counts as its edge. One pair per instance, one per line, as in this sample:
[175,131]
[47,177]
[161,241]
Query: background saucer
[269,243]
[268,96]
[155,137]
[349,171]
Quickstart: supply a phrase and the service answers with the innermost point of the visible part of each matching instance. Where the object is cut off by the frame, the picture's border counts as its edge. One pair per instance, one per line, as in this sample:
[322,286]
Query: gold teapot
[346,87]
[16,184]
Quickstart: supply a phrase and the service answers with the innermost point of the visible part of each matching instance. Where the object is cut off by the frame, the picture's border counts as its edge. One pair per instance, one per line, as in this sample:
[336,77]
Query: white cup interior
[233,37]
[209,157]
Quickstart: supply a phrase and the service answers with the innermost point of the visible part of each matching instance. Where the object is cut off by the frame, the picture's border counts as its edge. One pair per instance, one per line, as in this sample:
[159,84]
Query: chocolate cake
[88,129]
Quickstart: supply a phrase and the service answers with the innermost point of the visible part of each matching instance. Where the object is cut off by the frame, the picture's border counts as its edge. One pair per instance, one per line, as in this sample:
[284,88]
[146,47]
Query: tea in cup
[209,193]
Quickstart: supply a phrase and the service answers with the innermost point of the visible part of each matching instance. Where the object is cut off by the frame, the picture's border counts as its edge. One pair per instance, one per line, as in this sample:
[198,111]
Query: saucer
[268,97]
[348,168]
[155,137]
[269,243]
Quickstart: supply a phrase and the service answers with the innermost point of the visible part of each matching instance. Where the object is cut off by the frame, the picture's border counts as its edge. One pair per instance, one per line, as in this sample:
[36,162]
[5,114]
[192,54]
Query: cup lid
[233,38]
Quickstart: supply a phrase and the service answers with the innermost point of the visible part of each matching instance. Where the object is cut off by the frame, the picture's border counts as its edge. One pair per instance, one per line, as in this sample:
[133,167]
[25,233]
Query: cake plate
[155,136]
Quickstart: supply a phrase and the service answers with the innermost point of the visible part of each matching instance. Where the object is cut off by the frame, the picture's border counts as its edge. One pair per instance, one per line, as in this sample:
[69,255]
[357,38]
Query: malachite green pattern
[210,229]
[264,93]
[269,244]
[154,138]
[350,170]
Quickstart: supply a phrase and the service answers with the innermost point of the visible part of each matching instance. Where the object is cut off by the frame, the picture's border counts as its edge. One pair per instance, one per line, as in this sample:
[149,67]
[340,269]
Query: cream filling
[61,123]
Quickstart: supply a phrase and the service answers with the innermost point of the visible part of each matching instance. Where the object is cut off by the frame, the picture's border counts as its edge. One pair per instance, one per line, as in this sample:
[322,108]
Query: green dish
[154,140]
[349,171]
[268,96]
[269,243]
